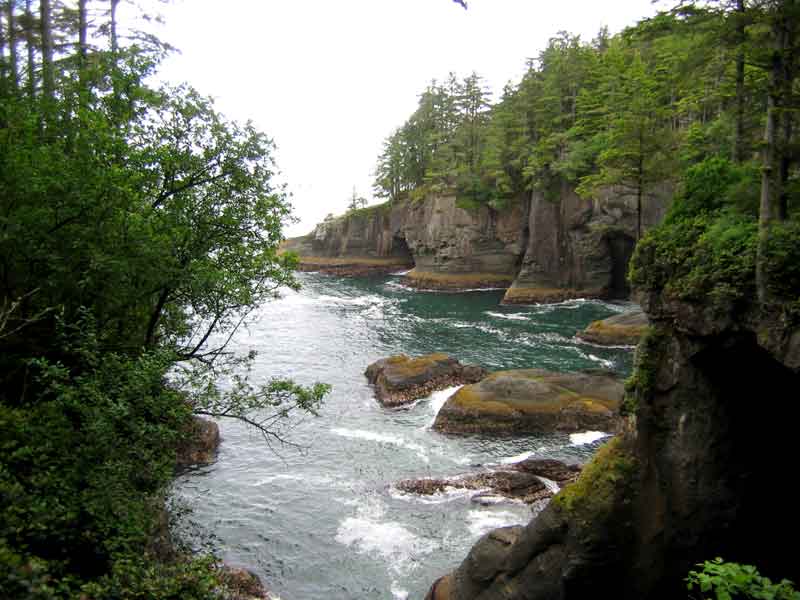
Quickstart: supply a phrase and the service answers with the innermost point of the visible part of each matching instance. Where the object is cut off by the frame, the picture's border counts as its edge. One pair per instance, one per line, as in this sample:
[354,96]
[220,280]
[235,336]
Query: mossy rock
[625,329]
[603,479]
[534,401]
[401,379]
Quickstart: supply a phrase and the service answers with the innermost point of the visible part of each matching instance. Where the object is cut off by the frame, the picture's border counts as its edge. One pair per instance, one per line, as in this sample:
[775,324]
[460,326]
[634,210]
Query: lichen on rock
[533,401]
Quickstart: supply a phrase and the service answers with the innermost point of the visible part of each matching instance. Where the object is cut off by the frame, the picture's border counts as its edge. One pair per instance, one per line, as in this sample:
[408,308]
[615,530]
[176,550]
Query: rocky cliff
[711,431]
[543,248]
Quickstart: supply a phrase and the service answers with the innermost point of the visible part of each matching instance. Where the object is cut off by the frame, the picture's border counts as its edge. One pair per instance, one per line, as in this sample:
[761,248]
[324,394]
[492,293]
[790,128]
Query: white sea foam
[480,522]
[509,316]
[448,494]
[369,534]
[402,273]
[437,400]
[398,593]
[608,364]
[493,499]
[382,438]
[518,458]
[586,437]
[368,300]
[549,484]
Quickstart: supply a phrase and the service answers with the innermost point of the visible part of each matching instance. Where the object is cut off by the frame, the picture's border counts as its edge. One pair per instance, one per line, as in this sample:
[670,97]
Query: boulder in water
[620,330]
[520,481]
[401,379]
[200,443]
[534,401]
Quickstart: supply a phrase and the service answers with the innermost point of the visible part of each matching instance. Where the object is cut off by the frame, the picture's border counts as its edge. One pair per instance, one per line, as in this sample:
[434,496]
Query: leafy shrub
[732,580]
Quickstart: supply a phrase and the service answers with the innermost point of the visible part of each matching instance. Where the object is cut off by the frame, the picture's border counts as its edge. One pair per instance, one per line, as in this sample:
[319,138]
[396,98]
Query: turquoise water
[323,521]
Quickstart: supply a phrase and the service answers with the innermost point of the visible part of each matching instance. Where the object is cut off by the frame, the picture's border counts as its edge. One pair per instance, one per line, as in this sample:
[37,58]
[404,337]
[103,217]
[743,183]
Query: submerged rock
[620,330]
[401,379]
[533,401]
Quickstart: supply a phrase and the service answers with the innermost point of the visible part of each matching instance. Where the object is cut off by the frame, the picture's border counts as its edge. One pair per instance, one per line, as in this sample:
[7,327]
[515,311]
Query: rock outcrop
[200,443]
[714,420]
[579,248]
[545,249]
[400,379]
[533,401]
[520,481]
[242,584]
[625,329]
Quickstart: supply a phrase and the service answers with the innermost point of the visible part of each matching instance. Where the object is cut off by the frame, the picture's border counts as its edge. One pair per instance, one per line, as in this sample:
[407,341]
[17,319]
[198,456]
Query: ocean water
[322,520]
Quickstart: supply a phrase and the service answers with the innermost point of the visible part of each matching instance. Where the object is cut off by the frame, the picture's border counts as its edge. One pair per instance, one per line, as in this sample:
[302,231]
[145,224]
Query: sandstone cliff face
[544,249]
[581,247]
[689,480]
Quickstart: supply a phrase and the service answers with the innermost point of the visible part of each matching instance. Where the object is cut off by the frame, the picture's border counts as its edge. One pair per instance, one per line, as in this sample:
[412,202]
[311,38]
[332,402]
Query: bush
[732,580]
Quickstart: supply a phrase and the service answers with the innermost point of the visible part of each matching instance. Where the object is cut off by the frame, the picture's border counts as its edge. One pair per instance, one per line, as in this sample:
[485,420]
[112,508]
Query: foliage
[729,580]
[138,228]
[705,249]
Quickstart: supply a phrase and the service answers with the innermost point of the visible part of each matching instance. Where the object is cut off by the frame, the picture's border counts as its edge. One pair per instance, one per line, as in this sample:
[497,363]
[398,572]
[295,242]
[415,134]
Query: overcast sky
[329,80]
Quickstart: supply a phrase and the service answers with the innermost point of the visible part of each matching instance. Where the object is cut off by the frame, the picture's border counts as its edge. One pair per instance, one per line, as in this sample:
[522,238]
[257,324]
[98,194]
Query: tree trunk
[48,77]
[13,62]
[83,50]
[767,212]
[82,33]
[113,31]
[31,81]
[738,139]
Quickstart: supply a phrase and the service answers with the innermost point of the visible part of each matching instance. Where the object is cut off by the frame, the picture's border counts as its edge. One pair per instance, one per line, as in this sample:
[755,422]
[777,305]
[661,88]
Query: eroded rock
[533,401]
[401,379]
[200,443]
[520,481]
[624,329]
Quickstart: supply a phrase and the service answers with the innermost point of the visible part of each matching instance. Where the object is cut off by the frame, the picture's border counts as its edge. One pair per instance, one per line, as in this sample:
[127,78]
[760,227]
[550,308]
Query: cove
[326,521]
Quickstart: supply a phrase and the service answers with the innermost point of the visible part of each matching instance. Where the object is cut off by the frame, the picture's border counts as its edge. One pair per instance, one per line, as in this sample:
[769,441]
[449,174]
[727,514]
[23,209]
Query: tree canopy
[138,228]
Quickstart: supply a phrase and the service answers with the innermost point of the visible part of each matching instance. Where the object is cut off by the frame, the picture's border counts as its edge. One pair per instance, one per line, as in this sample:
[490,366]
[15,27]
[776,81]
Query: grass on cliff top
[367,211]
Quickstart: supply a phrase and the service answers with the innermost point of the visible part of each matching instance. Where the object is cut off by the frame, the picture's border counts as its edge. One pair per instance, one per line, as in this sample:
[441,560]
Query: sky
[328,80]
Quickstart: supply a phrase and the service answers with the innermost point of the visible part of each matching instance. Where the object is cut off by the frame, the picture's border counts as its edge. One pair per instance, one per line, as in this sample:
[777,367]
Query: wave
[398,593]
[608,364]
[382,438]
[449,494]
[508,316]
[481,522]
[437,400]
[518,458]
[369,534]
[587,437]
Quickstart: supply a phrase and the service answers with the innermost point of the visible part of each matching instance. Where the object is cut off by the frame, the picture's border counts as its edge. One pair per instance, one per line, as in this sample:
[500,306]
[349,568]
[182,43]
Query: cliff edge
[539,248]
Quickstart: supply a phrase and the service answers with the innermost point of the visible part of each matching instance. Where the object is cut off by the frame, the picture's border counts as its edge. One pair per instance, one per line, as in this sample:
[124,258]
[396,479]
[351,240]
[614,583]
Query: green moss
[409,367]
[608,475]
[473,398]
[649,356]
